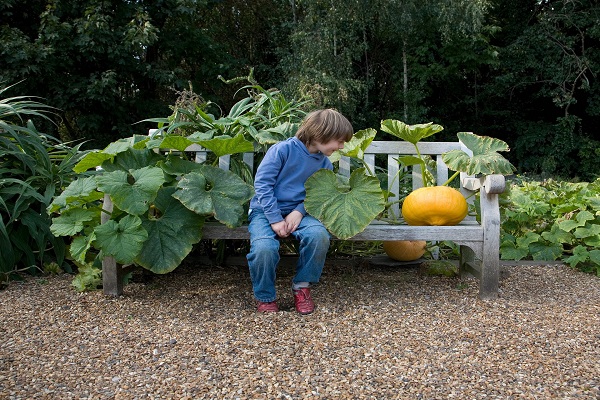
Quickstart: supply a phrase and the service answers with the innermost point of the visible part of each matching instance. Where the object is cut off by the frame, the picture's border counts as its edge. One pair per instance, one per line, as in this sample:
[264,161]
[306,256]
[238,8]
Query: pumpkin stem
[451,178]
[426,178]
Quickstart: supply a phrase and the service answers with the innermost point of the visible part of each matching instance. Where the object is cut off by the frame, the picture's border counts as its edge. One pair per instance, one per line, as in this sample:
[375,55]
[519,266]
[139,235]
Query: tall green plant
[161,197]
[34,167]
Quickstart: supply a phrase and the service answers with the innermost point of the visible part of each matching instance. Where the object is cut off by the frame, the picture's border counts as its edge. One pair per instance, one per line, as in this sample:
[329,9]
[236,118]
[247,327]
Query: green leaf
[175,142]
[223,145]
[88,278]
[97,158]
[557,235]
[80,191]
[485,159]
[543,251]
[569,224]
[584,216]
[595,256]
[91,160]
[123,239]
[213,191]
[133,197]
[410,133]
[344,207]
[177,166]
[592,241]
[119,146]
[580,255]
[358,144]
[276,134]
[411,160]
[80,246]
[133,159]
[510,251]
[171,236]
[589,230]
[71,221]
[526,240]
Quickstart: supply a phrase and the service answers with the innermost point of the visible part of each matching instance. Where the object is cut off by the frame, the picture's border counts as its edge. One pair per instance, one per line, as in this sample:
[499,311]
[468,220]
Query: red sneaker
[267,307]
[303,301]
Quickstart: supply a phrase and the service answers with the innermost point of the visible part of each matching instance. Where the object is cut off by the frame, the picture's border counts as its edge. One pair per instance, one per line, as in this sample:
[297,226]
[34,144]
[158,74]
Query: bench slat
[469,231]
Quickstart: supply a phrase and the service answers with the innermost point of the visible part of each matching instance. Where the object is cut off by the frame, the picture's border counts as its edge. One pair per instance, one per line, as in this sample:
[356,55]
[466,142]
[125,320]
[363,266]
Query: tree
[108,64]
[380,59]
[544,92]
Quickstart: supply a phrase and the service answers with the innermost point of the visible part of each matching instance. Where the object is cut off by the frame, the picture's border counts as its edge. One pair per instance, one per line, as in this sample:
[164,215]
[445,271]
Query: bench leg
[112,277]
[467,256]
[490,275]
[490,260]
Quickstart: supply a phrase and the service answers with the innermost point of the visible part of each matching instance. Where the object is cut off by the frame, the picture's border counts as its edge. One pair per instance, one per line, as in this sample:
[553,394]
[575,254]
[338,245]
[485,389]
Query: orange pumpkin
[404,250]
[436,205]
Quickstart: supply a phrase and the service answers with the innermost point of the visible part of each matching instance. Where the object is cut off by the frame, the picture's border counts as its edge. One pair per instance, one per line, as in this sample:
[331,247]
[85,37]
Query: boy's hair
[322,126]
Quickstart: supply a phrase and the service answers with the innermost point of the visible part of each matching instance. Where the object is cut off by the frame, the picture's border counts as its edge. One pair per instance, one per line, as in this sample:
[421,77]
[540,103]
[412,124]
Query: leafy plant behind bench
[161,198]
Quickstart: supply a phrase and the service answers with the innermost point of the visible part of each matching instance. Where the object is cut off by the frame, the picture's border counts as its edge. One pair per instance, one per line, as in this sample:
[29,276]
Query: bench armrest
[492,184]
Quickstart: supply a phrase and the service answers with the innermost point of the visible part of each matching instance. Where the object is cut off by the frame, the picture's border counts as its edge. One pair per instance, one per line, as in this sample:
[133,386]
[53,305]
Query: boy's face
[327,148]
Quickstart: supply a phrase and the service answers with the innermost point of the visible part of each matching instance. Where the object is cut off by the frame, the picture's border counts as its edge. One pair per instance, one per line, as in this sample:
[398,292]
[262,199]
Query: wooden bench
[479,243]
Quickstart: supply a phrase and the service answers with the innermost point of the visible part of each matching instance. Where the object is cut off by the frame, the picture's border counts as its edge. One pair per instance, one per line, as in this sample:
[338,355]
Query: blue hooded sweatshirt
[280,177]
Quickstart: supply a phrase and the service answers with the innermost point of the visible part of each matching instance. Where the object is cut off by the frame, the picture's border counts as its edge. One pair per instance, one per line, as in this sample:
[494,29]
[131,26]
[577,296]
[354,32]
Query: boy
[277,209]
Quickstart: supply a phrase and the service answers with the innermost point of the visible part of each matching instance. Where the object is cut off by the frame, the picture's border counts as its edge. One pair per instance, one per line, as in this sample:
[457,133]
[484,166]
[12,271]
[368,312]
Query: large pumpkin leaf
[411,133]
[96,158]
[213,191]
[133,197]
[92,159]
[80,191]
[357,146]
[485,160]
[223,145]
[175,142]
[132,159]
[175,165]
[276,134]
[71,221]
[80,245]
[344,206]
[171,235]
[123,239]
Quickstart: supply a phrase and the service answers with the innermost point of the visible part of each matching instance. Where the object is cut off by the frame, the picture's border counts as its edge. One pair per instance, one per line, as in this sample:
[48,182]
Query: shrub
[34,167]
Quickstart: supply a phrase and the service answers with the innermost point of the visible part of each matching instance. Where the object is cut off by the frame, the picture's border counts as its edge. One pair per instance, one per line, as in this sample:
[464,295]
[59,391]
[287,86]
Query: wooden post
[490,222]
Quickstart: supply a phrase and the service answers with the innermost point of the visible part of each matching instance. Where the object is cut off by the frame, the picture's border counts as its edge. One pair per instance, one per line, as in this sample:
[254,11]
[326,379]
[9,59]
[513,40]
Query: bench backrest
[391,149]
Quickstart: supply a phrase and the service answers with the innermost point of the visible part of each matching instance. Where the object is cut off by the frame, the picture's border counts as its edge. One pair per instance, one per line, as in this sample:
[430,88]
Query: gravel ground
[378,333]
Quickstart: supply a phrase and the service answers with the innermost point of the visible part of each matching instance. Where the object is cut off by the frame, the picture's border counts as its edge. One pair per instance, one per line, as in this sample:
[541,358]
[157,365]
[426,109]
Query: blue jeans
[264,253]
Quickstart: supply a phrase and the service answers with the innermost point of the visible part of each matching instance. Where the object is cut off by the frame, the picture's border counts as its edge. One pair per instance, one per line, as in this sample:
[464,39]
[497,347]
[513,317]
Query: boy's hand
[293,221]
[280,228]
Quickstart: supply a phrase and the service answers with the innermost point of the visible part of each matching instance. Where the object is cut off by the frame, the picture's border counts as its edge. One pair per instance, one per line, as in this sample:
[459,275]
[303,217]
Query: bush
[34,167]
[552,220]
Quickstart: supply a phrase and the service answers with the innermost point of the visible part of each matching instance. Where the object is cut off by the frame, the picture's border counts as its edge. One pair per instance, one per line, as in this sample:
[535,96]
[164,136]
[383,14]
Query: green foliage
[552,220]
[484,159]
[161,198]
[88,278]
[345,206]
[34,167]
[155,222]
